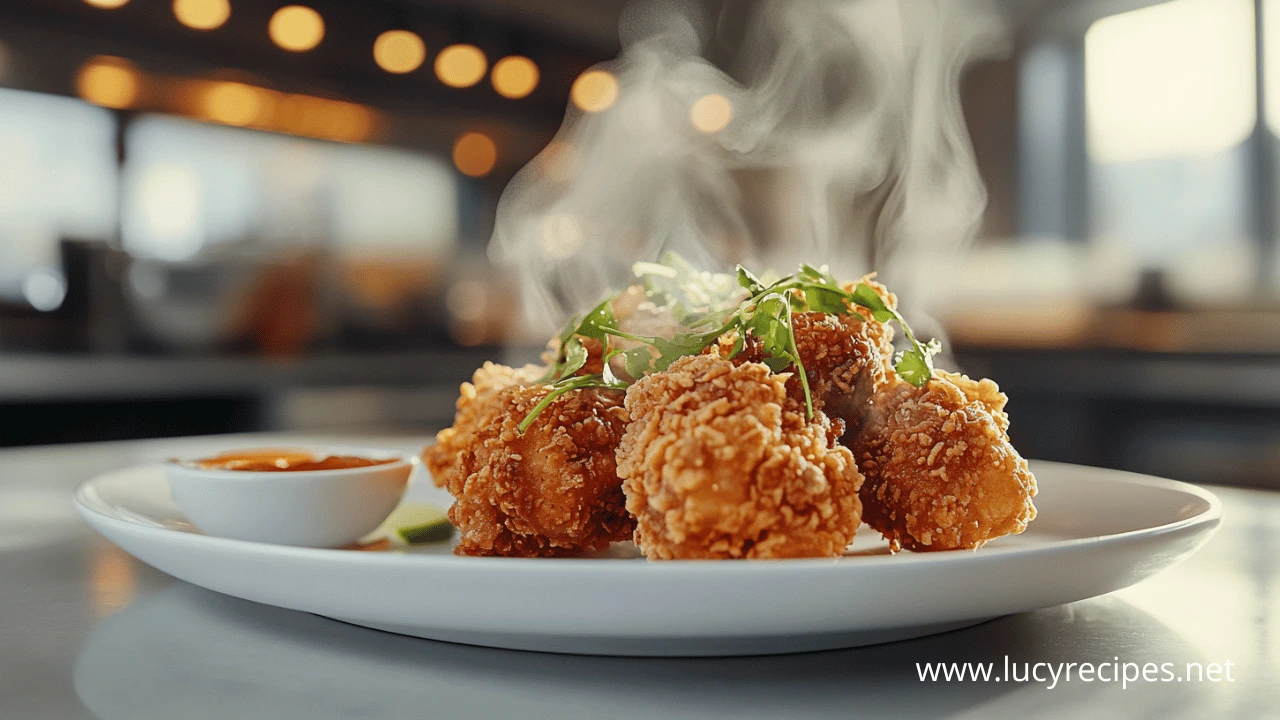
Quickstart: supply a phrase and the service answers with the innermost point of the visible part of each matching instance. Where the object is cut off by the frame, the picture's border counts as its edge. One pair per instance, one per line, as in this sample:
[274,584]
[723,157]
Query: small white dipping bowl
[310,508]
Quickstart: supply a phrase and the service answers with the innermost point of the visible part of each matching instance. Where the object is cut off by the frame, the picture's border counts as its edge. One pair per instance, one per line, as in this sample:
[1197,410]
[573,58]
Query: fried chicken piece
[847,358]
[718,462]
[940,472]
[844,359]
[553,490]
[475,411]
[880,334]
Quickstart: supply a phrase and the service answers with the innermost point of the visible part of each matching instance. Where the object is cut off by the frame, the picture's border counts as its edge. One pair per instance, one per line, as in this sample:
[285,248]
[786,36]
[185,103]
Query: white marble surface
[87,632]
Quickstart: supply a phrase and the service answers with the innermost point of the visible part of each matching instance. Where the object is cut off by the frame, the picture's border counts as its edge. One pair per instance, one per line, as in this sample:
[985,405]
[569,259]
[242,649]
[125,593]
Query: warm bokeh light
[106,4]
[711,113]
[1171,80]
[321,118]
[399,51]
[475,154]
[346,122]
[296,28]
[112,584]
[461,66]
[202,14]
[594,90]
[233,103]
[514,76]
[299,115]
[243,105]
[108,81]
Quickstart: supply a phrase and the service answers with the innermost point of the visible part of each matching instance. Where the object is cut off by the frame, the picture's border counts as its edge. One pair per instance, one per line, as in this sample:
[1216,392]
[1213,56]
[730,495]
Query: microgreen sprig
[560,387]
[708,306]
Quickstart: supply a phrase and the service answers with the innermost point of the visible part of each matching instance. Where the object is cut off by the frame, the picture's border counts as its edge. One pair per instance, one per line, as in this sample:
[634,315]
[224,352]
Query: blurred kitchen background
[237,215]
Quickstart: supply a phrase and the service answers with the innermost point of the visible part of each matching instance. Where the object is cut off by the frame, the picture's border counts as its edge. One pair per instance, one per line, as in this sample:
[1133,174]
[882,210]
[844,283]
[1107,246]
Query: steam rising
[846,146]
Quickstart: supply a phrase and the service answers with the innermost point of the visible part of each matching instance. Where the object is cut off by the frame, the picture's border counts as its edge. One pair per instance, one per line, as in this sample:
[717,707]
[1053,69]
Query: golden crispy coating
[880,334]
[940,472]
[719,463]
[475,410]
[847,358]
[553,490]
[843,358]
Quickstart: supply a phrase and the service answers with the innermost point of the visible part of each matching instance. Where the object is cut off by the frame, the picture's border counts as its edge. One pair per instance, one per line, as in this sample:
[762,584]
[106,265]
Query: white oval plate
[1098,531]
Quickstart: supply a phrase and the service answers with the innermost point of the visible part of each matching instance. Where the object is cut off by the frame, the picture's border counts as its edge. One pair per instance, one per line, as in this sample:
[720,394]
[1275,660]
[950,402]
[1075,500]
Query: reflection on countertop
[188,652]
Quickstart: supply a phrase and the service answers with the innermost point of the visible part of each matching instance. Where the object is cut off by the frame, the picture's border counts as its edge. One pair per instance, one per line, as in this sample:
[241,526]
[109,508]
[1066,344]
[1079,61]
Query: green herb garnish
[708,305]
[562,386]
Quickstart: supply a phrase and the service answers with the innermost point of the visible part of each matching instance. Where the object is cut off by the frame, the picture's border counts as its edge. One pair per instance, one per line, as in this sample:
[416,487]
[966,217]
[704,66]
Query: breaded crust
[847,358]
[475,411]
[940,471]
[843,359]
[551,491]
[718,462]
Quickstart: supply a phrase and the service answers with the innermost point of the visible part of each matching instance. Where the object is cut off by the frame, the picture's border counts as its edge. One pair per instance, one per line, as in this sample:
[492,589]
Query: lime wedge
[416,523]
[437,531]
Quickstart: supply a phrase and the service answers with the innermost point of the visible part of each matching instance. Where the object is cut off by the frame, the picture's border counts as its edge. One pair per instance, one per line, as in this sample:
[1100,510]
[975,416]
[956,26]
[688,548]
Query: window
[57,179]
[190,187]
[1138,136]
[1170,101]
[1170,80]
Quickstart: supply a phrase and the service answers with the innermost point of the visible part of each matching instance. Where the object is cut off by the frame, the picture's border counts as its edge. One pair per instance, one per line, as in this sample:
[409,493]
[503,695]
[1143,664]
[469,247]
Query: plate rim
[1211,515]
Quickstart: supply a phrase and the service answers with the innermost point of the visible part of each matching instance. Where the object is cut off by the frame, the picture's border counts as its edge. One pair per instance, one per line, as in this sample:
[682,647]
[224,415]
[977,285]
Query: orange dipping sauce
[283,461]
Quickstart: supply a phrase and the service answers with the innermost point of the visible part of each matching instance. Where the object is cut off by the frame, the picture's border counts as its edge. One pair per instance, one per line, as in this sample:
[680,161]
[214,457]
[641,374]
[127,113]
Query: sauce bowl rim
[396,459]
